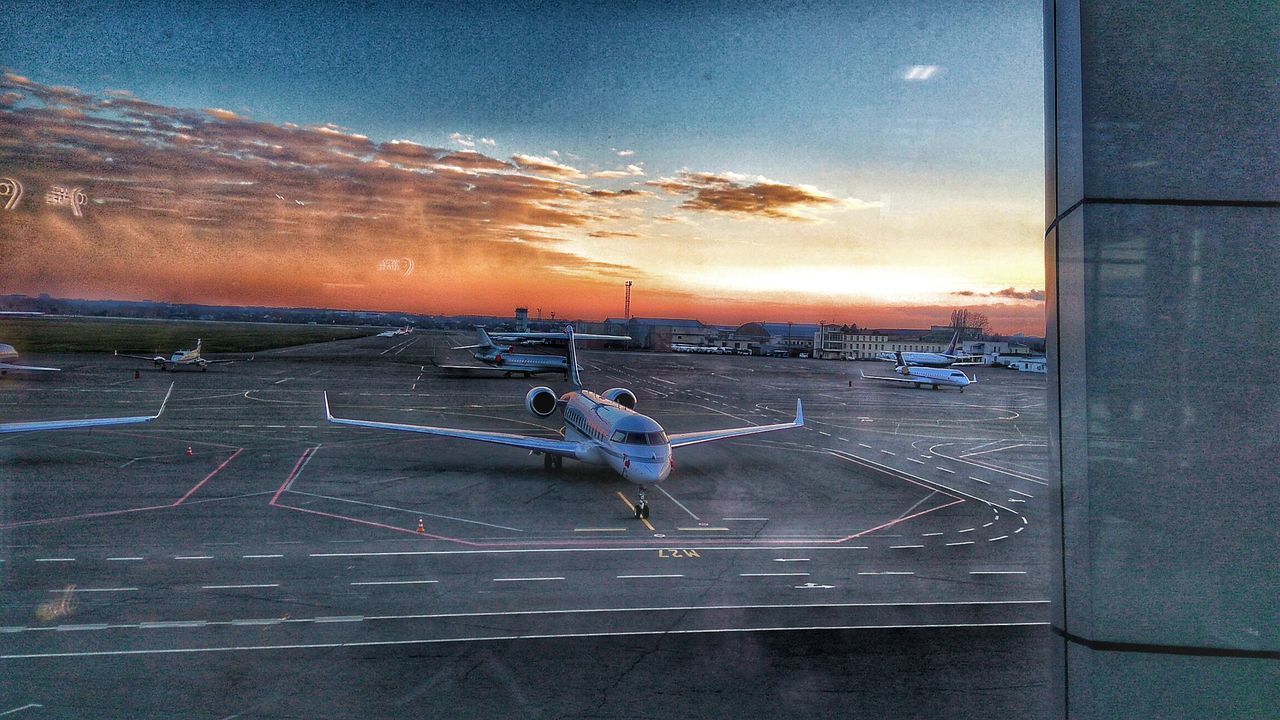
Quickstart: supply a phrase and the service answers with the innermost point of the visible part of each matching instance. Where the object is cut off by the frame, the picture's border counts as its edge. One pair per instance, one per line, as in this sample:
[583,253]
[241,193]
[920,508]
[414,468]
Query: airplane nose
[647,472]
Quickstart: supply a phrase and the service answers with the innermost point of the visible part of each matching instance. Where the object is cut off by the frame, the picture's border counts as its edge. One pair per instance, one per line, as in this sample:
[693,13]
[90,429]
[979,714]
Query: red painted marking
[207,478]
[107,513]
[293,473]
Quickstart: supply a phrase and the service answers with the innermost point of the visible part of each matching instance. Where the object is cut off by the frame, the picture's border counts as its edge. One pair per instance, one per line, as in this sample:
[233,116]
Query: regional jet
[8,353]
[915,375]
[950,357]
[40,425]
[599,429]
[500,358]
[179,358]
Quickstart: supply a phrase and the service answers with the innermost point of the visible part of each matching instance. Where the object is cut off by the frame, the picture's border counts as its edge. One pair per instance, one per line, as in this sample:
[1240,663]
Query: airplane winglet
[164,402]
[327,415]
[799,414]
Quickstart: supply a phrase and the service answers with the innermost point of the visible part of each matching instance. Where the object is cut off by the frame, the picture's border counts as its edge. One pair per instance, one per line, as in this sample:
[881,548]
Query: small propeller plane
[41,425]
[599,429]
[179,358]
[918,376]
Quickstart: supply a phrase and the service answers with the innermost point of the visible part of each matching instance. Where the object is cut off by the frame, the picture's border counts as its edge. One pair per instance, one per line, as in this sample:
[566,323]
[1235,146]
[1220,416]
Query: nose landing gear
[552,462]
[642,507]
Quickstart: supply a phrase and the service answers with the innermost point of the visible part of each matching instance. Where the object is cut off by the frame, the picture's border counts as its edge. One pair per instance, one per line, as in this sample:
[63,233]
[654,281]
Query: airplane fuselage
[528,364]
[633,445]
[937,377]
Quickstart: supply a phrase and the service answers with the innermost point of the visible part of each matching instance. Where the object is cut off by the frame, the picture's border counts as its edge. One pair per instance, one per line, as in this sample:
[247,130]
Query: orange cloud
[745,196]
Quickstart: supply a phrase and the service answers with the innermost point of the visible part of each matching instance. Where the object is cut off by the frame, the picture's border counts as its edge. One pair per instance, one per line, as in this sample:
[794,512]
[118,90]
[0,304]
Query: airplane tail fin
[951,349]
[198,341]
[897,354]
[483,337]
[571,357]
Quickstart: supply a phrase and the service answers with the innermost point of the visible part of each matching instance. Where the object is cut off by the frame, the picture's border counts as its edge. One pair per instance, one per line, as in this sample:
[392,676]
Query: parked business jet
[396,333]
[952,356]
[8,353]
[40,425]
[935,377]
[511,363]
[599,429]
[179,358]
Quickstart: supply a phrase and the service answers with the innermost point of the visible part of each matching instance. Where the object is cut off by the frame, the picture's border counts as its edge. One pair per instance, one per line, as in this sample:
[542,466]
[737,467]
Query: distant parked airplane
[500,358]
[950,357]
[41,425]
[599,429]
[8,353]
[935,377]
[179,357]
[398,331]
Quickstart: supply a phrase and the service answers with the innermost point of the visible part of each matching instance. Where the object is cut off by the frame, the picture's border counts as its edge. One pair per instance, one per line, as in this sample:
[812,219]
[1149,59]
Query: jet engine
[622,396]
[541,401]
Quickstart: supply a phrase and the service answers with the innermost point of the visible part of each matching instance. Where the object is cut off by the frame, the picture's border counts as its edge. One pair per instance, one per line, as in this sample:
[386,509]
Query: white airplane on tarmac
[599,429]
[916,375]
[8,353]
[951,356]
[40,425]
[500,358]
[179,357]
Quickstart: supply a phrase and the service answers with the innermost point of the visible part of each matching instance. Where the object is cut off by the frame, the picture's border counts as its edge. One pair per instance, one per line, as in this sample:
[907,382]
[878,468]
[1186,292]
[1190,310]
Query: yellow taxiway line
[633,511]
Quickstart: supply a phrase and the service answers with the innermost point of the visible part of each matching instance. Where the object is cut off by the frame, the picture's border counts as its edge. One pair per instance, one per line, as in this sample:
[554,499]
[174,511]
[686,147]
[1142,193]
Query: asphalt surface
[240,557]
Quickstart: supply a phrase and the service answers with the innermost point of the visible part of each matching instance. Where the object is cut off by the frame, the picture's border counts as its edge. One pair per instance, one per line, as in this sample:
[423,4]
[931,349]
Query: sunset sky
[877,163]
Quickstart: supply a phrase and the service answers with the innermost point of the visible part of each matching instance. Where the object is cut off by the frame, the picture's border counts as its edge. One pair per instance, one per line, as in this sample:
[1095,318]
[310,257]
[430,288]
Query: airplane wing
[507,337]
[148,358]
[482,371]
[7,366]
[917,380]
[544,445]
[39,425]
[218,362]
[693,438]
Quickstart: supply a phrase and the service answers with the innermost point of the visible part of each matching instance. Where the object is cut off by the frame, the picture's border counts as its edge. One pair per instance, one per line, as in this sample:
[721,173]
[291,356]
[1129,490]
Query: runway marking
[77,628]
[918,462]
[258,621]
[192,557]
[55,559]
[997,572]
[261,556]
[886,452]
[966,542]
[281,381]
[984,482]
[166,624]
[953,472]
[125,559]
[931,534]
[842,439]
[633,511]
[703,529]
[507,638]
[965,530]
[667,382]
[85,590]
[526,579]
[339,619]
[599,529]
[794,574]
[746,519]
[677,502]
[791,559]
[827,434]
[1020,529]
[904,547]
[396,582]
[997,538]
[28,706]
[864,445]
[1021,493]
[237,587]
[630,577]
[887,572]
[405,510]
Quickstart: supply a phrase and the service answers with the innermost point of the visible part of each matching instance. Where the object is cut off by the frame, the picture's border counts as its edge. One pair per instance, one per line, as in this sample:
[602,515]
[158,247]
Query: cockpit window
[639,438]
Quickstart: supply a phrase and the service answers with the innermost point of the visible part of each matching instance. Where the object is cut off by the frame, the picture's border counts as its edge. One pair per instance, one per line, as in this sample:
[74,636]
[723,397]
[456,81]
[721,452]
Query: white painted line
[628,577]
[277,426]
[621,529]
[794,574]
[1021,493]
[259,621]
[73,628]
[1024,519]
[164,624]
[339,619]
[827,434]
[28,706]
[746,519]
[1024,527]
[85,590]
[261,556]
[313,427]
[886,452]
[125,559]
[55,559]
[864,445]
[938,467]
[887,572]
[932,534]
[842,439]
[235,587]
[396,582]
[703,529]
[904,547]
[677,502]
[791,559]
[998,572]
[984,482]
[526,579]
[997,538]
[966,542]
[966,530]
[193,557]
[918,462]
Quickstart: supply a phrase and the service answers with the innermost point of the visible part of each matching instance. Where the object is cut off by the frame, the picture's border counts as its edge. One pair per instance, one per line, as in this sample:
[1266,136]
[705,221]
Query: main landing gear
[642,507]
[552,462]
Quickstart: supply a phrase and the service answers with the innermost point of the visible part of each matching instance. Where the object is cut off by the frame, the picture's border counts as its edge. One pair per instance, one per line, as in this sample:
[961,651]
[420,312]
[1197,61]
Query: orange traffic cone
[422,529]
[189,453]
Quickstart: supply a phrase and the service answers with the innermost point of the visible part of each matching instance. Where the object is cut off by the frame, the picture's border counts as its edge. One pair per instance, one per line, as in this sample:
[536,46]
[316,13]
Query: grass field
[52,334]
